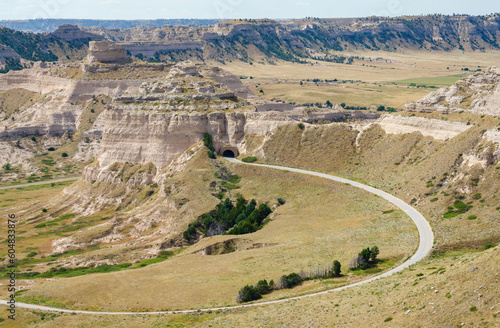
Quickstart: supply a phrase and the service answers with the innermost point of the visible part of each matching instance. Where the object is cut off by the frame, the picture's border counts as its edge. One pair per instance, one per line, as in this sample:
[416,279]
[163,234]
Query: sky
[226,9]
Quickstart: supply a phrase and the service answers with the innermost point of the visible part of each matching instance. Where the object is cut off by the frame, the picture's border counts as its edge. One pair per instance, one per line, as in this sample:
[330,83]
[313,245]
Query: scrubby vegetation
[79,271]
[226,218]
[251,293]
[365,259]
[250,159]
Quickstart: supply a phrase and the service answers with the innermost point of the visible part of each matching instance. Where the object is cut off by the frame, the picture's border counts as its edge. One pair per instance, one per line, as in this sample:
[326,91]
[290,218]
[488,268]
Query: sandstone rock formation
[159,138]
[478,93]
[438,129]
[106,52]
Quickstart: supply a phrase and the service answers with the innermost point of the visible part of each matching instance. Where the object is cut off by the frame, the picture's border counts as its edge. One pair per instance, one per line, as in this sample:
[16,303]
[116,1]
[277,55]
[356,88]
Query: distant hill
[50,25]
[295,40]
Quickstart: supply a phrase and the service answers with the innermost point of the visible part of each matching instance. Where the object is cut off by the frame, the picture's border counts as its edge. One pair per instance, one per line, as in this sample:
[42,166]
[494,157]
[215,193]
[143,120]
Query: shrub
[336,269]
[51,149]
[33,138]
[381,108]
[472,217]
[248,294]
[388,319]
[364,259]
[263,287]
[64,155]
[6,166]
[281,201]
[211,154]
[250,159]
[473,309]
[44,210]
[290,281]
[31,254]
[208,142]
[489,245]
[301,126]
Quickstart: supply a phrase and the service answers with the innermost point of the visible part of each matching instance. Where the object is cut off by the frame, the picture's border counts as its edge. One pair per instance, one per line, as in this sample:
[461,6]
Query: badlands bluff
[136,129]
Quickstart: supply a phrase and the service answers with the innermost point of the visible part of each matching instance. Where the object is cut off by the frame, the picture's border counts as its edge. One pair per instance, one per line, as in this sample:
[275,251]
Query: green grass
[439,80]
[250,159]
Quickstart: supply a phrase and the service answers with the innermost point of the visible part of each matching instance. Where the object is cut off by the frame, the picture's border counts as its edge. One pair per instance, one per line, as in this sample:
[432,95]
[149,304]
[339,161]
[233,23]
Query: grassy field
[365,82]
[433,81]
[303,234]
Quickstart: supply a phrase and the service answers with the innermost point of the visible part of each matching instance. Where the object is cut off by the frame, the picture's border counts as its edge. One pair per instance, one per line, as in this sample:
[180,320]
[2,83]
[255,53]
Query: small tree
[336,269]
[263,287]
[207,140]
[381,108]
[6,166]
[374,253]
[366,254]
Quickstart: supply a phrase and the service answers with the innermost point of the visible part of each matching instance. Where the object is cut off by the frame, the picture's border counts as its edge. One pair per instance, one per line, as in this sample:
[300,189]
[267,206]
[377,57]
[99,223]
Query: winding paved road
[39,183]
[425,245]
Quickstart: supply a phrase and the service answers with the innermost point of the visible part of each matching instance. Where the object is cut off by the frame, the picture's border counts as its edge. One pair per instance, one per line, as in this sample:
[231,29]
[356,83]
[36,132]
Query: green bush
[336,269]
[248,294]
[291,280]
[281,201]
[64,155]
[263,287]
[301,126]
[51,149]
[250,159]
[472,217]
[211,155]
[208,142]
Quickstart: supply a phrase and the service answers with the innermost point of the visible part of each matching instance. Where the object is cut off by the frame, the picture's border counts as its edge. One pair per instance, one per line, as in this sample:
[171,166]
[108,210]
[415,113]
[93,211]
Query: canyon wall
[142,137]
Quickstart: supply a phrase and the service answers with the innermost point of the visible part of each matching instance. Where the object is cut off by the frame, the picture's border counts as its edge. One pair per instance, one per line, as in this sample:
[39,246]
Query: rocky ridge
[478,93]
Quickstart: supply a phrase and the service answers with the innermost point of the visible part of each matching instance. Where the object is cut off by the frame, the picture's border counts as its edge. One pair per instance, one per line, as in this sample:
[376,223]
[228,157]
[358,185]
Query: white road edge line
[425,245]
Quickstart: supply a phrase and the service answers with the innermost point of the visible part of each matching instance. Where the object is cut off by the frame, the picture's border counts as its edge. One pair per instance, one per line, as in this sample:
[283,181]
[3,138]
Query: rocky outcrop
[478,93]
[141,137]
[438,129]
[106,52]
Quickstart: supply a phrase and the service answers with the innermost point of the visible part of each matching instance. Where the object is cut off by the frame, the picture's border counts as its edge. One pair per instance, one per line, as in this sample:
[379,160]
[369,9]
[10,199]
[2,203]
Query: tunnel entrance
[228,153]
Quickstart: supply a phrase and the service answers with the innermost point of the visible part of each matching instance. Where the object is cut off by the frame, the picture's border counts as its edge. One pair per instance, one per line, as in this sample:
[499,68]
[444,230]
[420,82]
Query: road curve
[39,183]
[425,245]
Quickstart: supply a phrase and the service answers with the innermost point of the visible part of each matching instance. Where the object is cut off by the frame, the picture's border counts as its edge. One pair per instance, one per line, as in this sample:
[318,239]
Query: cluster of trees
[208,142]
[230,219]
[29,46]
[365,259]
[251,293]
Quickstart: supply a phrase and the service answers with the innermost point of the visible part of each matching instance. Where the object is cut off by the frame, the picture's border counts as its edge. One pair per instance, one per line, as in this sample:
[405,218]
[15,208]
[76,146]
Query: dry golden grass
[445,291]
[15,100]
[376,86]
[304,233]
